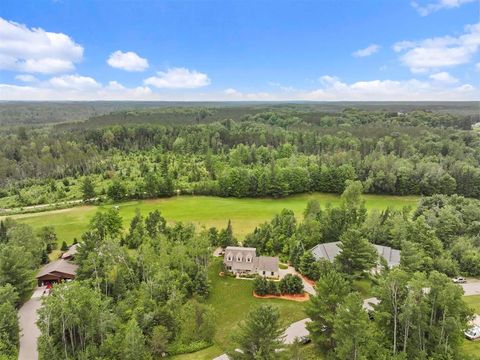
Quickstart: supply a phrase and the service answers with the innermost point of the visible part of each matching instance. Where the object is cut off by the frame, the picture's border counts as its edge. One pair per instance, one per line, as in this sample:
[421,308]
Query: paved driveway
[296,330]
[291,270]
[471,287]
[29,331]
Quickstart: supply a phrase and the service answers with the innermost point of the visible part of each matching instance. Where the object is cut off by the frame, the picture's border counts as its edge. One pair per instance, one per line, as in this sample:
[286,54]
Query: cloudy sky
[240,50]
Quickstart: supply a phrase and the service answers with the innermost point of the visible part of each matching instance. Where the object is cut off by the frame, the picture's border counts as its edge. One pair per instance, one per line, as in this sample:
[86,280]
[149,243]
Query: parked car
[459,280]
[473,333]
[304,339]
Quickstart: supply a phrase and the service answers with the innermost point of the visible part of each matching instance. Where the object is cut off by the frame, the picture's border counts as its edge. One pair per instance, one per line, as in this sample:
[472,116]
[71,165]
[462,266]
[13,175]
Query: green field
[206,211]
[472,348]
[232,299]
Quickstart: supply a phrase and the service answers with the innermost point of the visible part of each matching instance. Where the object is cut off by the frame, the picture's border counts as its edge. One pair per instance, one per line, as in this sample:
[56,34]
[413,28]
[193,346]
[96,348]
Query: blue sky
[240,50]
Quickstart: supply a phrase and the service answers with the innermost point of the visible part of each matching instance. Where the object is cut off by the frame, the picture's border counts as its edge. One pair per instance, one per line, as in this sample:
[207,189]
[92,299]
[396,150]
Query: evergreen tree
[133,346]
[159,340]
[64,246]
[322,308]
[226,237]
[3,232]
[88,190]
[357,253]
[155,224]
[352,330]
[260,335]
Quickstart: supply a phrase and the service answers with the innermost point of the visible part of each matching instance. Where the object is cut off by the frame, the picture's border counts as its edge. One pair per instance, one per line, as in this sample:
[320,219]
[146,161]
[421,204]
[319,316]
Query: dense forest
[272,153]
[144,291]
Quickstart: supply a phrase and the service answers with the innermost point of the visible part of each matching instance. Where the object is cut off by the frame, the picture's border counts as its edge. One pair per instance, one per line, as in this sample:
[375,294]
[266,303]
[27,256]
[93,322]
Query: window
[249,259]
[263,272]
[239,258]
[229,257]
[273,273]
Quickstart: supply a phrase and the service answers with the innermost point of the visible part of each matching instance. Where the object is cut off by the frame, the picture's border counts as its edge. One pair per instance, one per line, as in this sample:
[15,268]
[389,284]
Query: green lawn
[472,348]
[473,302]
[232,299]
[208,211]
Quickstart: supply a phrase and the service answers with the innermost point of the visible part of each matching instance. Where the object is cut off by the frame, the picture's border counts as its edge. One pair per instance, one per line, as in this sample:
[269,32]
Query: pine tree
[352,329]
[357,255]
[64,246]
[260,336]
[331,290]
[133,346]
[88,190]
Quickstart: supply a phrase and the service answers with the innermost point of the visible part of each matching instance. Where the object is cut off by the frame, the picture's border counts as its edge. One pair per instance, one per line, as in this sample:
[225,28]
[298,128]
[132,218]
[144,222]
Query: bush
[291,284]
[180,348]
[260,286]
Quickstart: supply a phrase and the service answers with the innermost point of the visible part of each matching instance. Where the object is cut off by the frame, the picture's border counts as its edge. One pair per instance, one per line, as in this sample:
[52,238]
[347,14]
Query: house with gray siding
[244,261]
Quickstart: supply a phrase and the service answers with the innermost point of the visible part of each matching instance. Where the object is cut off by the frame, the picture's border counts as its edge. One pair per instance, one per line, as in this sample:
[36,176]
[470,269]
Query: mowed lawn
[232,299]
[206,211]
[472,347]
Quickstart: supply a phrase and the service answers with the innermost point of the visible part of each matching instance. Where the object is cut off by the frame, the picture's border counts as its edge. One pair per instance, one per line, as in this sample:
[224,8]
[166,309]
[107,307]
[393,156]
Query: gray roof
[243,252]
[58,266]
[330,250]
[391,255]
[72,251]
[267,263]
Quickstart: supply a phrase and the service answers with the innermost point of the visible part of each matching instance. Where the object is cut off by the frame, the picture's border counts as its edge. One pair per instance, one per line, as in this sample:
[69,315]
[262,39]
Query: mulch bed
[297,297]
[311,282]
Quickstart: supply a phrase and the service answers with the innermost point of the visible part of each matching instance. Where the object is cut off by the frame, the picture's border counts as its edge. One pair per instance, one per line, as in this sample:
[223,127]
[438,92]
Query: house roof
[267,263]
[330,250]
[58,266]
[72,251]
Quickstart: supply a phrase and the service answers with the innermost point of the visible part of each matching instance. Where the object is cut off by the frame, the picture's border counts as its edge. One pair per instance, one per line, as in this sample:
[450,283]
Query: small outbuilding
[56,271]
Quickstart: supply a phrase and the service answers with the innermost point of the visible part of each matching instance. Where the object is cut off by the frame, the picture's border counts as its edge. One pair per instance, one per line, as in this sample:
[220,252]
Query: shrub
[291,284]
[179,348]
[260,286]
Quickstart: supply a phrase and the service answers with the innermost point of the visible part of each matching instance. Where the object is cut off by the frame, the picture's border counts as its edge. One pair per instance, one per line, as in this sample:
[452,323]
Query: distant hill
[116,112]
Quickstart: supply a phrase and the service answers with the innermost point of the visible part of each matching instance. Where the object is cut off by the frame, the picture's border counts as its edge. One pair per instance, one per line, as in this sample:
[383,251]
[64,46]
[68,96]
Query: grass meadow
[206,211]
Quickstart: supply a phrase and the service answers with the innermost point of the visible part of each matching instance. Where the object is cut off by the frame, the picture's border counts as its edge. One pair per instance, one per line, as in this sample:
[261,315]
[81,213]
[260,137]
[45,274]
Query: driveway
[291,270]
[29,331]
[296,330]
[471,287]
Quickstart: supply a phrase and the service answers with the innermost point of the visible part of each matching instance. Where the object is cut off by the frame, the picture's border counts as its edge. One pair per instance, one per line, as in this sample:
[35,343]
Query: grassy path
[207,211]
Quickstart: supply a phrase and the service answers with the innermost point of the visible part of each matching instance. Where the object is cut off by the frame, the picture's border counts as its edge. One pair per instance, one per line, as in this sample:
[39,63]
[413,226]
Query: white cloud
[331,88]
[128,61]
[444,77]
[178,78]
[115,85]
[74,82]
[439,52]
[431,7]
[234,94]
[36,50]
[231,91]
[26,78]
[390,90]
[369,50]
